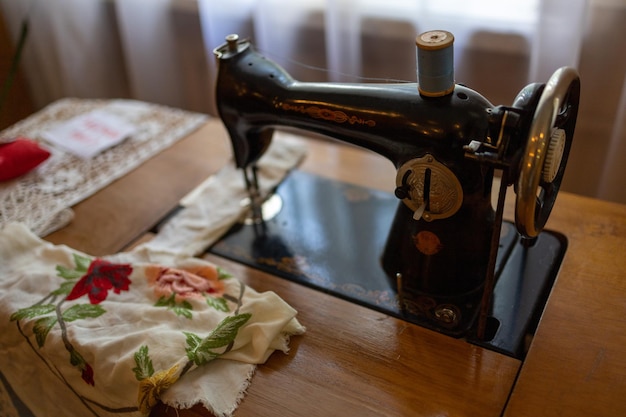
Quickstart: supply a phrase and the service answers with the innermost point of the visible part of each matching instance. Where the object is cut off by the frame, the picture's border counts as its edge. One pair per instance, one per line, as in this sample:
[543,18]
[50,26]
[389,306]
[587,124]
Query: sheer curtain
[356,39]
[147,49]
[72,48]
[161,51]
[150,50]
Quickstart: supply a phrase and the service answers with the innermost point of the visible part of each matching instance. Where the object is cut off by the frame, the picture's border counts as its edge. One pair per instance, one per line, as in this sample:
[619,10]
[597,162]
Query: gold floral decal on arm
[336,116]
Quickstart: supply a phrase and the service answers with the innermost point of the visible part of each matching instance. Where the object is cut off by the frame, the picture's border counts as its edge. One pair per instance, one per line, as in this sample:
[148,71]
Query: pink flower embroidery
[190,282]
[99,279]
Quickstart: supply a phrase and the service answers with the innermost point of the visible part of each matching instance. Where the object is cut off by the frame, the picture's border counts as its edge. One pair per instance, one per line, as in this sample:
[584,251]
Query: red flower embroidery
[87,375]
[99,279]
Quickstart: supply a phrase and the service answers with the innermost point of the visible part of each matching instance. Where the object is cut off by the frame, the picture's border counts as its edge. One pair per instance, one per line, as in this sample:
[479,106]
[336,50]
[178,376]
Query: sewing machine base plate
[330,235]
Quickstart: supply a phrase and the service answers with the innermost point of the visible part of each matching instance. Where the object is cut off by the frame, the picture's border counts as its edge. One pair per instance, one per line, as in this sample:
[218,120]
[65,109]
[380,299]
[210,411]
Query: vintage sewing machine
[448,261]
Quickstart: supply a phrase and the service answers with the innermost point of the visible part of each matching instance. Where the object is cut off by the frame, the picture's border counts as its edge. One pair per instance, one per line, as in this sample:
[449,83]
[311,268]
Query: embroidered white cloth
[42,198]
[86,336]
[110,336]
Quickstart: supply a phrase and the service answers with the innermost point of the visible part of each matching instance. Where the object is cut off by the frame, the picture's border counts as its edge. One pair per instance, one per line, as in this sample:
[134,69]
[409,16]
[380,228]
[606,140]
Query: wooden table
[355,361]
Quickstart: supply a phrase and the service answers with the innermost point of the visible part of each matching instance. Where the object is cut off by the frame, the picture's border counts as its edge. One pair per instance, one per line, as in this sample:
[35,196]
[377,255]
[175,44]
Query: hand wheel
[545,155]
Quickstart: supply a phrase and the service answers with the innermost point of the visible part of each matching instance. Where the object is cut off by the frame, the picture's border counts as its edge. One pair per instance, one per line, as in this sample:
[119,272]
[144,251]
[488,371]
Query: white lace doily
[42,198]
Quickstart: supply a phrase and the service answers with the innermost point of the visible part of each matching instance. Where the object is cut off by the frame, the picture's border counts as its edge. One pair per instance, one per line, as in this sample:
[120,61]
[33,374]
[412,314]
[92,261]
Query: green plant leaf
[219,304]
[32,312]
[200,350]
[144,368]
[82,311]
[42,327]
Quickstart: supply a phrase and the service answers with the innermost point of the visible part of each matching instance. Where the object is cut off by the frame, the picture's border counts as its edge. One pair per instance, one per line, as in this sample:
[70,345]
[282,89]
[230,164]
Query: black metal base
[330,235]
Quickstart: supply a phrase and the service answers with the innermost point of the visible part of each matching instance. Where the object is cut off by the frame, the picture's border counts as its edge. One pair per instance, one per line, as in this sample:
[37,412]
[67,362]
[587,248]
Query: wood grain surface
[577,362]
[355,361]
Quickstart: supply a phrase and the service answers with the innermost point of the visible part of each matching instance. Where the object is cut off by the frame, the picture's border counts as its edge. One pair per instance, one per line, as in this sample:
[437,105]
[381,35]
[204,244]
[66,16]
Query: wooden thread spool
[435,63]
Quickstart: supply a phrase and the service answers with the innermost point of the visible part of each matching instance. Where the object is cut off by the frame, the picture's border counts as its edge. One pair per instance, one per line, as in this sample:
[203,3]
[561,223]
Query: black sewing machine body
[440,251]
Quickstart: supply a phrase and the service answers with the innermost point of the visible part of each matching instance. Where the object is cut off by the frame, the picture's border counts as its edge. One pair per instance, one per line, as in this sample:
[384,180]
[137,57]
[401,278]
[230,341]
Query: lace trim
[41,198]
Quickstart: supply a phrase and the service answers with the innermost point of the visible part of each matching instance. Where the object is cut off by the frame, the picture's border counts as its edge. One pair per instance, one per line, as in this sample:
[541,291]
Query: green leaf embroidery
[181,309]
[144,368]
[65,288]
[194,350]
[76,359]
[219,304]
[200,350]
[225,332]
[164,302]
[82,311]
[32,312]
[193,342]
[82,262]
[42,328]
[222,274]
[68,273]
[82,266]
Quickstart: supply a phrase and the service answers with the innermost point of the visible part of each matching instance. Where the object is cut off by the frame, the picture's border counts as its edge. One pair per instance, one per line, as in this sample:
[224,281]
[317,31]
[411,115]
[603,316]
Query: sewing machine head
[445,140]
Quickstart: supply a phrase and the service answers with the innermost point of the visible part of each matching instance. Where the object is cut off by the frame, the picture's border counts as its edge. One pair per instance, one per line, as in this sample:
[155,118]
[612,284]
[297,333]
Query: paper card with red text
[89,134]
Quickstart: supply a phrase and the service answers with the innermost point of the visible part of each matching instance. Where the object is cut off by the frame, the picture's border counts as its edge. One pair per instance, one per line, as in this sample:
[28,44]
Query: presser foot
[263,211]
[261,207]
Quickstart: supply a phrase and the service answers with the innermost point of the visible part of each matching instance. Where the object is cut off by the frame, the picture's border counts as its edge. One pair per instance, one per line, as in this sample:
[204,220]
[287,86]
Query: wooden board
[354,361]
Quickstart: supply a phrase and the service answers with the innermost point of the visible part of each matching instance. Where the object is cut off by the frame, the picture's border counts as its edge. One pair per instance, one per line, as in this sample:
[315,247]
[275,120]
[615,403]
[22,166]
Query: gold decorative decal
[427,242]
[326,114]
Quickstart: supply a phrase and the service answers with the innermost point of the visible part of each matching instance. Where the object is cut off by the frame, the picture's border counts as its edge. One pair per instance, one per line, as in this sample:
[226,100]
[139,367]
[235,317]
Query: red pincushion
[19,157]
